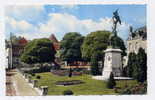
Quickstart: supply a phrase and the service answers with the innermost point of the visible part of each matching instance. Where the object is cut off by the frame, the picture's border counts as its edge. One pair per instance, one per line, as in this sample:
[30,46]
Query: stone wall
[134,45]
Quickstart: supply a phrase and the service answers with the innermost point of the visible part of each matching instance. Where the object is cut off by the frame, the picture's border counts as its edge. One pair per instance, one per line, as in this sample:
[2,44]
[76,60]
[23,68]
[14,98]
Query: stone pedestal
[29,79]
[112,63]
[44,90]
[35,83]
[26,76]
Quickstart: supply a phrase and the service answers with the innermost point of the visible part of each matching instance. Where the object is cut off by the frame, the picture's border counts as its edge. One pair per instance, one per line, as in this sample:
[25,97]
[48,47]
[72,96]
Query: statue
[116,19]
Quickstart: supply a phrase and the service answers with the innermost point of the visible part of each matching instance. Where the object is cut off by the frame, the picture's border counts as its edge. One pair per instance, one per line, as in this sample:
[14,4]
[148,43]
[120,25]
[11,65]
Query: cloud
[23,12]
[141,21]
[23,9]
[13,25]
[61,23]
[18,25]
[69,6]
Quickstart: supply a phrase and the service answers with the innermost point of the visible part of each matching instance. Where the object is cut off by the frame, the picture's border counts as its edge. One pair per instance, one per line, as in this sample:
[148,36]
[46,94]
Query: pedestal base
[116,78]
[112,63]
[106,75]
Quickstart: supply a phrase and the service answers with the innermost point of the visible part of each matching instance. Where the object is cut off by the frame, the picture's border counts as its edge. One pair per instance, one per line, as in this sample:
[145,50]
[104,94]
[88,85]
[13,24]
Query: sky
[39,21]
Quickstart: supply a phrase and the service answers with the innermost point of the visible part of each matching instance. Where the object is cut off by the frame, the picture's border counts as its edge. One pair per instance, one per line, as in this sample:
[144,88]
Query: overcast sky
[38,21]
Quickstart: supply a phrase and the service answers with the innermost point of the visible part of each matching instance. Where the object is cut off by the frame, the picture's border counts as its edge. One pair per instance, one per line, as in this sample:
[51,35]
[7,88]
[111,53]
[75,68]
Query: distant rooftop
[53,38]
[138,33]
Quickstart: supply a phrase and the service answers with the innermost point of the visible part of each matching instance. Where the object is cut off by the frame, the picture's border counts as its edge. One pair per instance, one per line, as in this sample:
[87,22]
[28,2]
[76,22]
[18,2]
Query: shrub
[33,74]
[38,77]
[39,70]
[70,73]
[111,82]
[94,65]
[86,72]
[140,88]
[68,92]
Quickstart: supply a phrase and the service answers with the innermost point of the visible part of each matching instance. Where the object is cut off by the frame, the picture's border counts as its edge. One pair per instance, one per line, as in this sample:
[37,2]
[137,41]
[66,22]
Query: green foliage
[68,92]
[142,65]
[119,43]
[70,47]
[70,73]
[140,88]
[111,81]
[94,64]
[131,65]
[90,86]
[95,42]
[38,51]
[137,66]
[33,74]
[38,76]
[39,69]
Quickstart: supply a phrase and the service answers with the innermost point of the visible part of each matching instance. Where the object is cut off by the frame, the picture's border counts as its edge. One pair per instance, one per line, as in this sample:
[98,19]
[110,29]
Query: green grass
[90,87]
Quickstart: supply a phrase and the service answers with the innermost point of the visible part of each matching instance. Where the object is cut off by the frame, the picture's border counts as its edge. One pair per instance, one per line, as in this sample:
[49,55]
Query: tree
[131,65]
[137,65]
[94,65]
[111,81]
[97,42]
[142,65]
[38,51]
[119,43]
[71,47]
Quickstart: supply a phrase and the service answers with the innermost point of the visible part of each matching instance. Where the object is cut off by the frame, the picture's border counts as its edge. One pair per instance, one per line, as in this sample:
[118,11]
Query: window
[108,58]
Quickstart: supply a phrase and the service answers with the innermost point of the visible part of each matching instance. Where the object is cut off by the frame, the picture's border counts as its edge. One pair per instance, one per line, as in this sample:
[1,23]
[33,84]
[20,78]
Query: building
[56,43]
[137,39]
[14,51]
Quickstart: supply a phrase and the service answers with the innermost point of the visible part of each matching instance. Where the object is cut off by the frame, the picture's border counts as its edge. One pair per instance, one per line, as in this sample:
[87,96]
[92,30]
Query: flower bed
[65,73]
[72,82]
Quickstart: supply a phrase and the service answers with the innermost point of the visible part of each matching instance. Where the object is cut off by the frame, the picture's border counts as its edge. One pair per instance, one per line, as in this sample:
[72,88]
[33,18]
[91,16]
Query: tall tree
[95,42]
[131,65]
[38,51]
[137,65]
[142,65]
[71,47]
[94,64]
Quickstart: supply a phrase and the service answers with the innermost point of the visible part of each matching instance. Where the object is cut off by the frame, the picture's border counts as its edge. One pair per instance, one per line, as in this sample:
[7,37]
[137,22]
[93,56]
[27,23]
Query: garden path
[22,87]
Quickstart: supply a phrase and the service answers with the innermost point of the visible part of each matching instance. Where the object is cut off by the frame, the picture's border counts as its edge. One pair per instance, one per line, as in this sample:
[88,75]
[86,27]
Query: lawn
[90,87]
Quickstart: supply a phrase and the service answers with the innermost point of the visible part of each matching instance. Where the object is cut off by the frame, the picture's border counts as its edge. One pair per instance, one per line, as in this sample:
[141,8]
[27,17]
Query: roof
[23,41]
[139,32]
[53,38]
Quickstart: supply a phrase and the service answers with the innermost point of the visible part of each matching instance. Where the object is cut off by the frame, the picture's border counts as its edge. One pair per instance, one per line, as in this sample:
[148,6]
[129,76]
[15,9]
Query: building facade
[137,39]
[14,51]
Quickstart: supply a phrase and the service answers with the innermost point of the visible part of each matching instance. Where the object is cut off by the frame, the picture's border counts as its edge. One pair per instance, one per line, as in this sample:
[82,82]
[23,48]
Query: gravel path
[10,90]
[22,88]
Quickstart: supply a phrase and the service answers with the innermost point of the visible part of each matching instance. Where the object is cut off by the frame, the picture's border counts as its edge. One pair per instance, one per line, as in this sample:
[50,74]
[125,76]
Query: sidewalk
[10,90]
[22,88]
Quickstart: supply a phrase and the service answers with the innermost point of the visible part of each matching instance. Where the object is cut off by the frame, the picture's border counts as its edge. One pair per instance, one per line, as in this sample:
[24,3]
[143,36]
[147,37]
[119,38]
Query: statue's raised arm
[116,19]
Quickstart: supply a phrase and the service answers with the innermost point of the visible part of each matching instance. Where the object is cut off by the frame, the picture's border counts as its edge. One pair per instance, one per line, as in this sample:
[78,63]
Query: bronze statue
[116,19]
